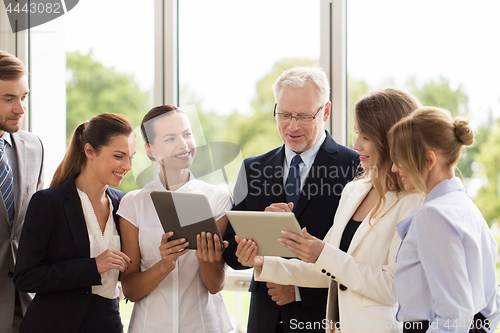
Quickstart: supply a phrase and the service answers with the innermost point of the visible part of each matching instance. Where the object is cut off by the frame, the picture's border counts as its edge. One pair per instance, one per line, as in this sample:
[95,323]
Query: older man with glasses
[309,173]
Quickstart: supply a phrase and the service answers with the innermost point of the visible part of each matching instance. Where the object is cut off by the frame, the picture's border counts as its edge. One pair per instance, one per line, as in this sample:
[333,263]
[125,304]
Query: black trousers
[103,316]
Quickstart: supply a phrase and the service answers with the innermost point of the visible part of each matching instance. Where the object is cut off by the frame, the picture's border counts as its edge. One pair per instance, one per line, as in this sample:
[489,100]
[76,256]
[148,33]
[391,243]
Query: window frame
[166,81]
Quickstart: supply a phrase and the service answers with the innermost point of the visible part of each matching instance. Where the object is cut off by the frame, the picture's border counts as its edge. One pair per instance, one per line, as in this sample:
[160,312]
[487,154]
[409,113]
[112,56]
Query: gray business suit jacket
[29,152]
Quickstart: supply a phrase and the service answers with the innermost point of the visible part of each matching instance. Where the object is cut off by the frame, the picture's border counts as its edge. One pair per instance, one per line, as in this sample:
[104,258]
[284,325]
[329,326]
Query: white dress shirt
[100,242]
[308,158]
[445,269]
[181,302]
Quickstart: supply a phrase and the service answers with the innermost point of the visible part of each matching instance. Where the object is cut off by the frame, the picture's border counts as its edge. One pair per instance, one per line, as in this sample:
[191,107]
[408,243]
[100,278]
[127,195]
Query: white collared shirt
[445,268]
[308,158]
[100,242]
[181,302]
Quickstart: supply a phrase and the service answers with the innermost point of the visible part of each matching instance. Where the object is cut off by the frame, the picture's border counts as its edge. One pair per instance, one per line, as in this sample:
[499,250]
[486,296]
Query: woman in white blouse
[174,289]
[445,271]
[69,251]
[356,260]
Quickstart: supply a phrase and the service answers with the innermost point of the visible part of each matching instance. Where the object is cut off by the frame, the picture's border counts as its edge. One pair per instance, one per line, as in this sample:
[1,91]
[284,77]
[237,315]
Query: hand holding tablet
[187,215]
[265,229]
[307,247]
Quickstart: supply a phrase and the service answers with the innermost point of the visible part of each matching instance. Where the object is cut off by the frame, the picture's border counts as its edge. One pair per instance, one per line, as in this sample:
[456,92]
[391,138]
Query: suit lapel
[344,215]
[20,147]
[76,220]
[278,166]
[115,203]
[390,200]
[325,157]
[3,212]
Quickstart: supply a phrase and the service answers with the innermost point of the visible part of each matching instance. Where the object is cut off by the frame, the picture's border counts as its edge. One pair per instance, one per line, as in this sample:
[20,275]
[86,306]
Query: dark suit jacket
[259,184]
[54,261]
[29,153]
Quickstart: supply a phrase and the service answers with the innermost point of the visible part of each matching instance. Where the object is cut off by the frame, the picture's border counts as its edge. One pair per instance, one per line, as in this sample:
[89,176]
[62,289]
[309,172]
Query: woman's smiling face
[173,144]
[365,149]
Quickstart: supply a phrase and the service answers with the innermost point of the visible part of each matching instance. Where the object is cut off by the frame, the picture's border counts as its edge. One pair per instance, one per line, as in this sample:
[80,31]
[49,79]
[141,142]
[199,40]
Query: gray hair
[297,77]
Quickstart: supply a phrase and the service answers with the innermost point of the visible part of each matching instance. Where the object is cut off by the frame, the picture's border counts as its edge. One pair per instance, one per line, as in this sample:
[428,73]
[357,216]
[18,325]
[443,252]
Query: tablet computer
[265,229]
[186,215]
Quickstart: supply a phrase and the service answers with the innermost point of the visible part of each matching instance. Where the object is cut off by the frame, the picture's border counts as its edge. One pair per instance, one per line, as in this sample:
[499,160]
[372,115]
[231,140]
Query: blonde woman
[356,258]
[445,272]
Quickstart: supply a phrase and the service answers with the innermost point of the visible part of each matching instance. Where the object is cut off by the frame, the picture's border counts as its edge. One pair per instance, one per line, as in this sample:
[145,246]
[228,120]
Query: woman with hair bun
[69,251]
[445,268]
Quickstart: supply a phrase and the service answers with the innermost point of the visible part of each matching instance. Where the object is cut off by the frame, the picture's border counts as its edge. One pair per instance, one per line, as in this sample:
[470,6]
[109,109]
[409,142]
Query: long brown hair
[375,114]
[428,128]
[98,132]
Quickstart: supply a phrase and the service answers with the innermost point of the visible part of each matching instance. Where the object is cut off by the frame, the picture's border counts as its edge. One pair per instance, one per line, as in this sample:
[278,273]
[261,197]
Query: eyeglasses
[301,119]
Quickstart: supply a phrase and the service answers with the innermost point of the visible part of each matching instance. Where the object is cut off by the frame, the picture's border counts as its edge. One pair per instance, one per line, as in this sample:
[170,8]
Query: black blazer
[259,184]
[54,261]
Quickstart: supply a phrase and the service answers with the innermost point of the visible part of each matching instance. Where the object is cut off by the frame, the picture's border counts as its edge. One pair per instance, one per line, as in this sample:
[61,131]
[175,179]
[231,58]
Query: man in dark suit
[310,170]
[21,175]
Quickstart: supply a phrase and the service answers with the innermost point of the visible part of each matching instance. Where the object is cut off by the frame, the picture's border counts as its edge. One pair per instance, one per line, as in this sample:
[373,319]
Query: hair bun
[463,131]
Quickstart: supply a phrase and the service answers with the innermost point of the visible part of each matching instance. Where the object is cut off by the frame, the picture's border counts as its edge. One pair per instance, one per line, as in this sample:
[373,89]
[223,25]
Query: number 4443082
[34,8]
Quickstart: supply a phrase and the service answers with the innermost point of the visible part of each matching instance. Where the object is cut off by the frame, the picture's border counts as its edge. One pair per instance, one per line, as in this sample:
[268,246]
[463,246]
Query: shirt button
[342,287]
[323,271]
[10,275]
[333,277]
[328,274]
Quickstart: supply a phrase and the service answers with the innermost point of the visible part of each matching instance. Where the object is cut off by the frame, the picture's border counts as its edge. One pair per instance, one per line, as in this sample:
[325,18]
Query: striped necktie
[292,185]
[6,182]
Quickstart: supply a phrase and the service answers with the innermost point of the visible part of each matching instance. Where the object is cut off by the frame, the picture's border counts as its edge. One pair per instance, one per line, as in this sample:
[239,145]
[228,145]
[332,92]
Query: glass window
[230,55]
[110,64]
[230,58]
[109,49]
[445,53]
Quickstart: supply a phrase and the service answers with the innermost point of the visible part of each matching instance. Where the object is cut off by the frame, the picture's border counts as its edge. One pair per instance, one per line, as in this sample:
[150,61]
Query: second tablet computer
[265,229]
[186,214]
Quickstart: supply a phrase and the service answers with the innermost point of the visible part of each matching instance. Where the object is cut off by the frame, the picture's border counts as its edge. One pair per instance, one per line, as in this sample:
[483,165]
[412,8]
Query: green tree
[257,134]
[92,88]
[440,93]
[355,90]
[488,197]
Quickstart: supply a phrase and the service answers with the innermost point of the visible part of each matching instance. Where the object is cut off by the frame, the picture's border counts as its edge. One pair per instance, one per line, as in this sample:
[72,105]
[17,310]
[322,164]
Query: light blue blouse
[445,268]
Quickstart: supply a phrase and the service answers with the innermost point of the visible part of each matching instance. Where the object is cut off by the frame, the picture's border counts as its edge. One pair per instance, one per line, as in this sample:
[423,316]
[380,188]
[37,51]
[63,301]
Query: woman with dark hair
[445,271]
[174,289]
[356,258]
[69,251]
